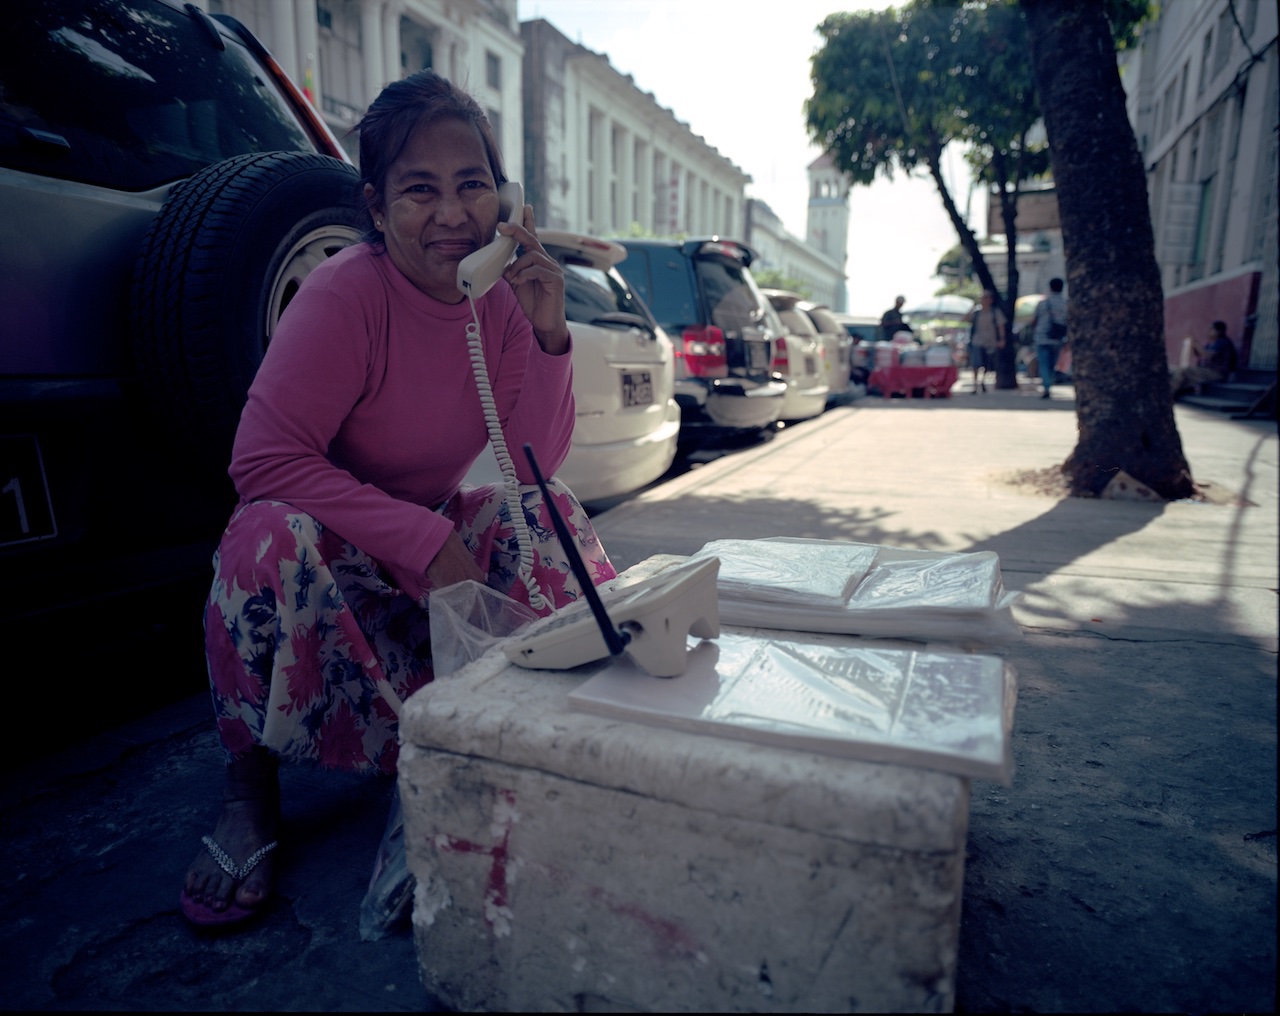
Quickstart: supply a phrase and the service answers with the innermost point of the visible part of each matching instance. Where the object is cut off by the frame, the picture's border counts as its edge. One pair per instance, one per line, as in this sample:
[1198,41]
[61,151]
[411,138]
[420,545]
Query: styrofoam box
[571,862]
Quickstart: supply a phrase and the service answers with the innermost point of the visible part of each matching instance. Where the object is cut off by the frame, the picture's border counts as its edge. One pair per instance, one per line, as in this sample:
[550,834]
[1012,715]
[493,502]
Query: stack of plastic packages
[863,589]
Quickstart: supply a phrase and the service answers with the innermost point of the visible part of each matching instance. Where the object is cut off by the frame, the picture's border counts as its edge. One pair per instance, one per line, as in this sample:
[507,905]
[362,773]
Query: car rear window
[797,322]
[823,321]
[591,293]
[730,294]
[131,94]
[661,278]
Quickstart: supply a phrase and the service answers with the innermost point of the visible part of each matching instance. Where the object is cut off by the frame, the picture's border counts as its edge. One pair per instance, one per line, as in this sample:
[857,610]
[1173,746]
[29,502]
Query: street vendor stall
[779,828]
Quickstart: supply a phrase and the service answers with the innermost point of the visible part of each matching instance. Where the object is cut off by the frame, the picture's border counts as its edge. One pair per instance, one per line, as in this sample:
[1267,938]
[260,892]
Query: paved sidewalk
[1131,866]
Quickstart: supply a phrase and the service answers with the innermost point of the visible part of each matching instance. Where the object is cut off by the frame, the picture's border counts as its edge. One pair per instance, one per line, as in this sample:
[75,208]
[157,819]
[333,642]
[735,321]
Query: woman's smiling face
[439,203]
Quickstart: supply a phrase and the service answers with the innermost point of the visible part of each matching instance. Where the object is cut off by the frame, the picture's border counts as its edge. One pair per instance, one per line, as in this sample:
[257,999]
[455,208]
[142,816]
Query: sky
[686,52]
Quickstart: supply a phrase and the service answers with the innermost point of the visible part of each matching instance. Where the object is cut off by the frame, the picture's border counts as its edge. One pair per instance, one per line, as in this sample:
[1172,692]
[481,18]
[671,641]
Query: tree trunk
[1116,304]
[1007,355]
[933,159]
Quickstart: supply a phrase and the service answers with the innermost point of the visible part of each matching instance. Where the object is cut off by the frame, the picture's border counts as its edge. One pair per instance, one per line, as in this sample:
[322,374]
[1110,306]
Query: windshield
[131,94]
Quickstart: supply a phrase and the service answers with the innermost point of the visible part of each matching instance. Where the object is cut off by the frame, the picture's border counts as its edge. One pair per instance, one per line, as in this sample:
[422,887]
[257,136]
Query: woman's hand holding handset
[538,282]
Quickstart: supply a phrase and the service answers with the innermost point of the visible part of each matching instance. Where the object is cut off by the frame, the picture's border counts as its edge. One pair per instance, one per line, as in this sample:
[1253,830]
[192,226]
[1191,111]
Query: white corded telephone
[655,617]
[477,273]
[651,620]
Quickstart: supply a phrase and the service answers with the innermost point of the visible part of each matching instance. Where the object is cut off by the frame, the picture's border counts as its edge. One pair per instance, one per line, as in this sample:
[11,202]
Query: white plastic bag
[391,886]
[466,620]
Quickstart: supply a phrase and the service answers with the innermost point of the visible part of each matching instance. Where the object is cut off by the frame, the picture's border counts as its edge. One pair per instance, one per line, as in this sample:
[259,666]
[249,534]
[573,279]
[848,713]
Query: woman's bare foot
[249,819]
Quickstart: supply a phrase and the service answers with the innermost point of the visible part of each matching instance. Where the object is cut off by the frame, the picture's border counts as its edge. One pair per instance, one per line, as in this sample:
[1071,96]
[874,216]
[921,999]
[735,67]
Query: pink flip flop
[204,915]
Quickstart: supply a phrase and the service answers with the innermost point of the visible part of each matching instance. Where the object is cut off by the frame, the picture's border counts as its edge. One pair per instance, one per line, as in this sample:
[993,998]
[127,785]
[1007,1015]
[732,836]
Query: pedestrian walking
[988,333]
[1049,333]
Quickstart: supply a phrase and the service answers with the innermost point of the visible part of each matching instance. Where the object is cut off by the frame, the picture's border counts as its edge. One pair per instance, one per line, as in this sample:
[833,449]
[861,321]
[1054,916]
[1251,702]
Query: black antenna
[613,638]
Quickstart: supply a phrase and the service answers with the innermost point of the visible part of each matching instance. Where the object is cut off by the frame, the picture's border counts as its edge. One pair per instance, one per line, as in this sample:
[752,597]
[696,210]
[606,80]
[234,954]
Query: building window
[1250,19]
[616,138]
[1226,32]
[642,178]
[416,50]
[596,169]
[1205,50]
[1204,217]
[493,70]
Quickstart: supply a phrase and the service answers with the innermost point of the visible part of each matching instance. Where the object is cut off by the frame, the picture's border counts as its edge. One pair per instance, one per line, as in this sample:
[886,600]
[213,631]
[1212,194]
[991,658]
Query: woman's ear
[373,202]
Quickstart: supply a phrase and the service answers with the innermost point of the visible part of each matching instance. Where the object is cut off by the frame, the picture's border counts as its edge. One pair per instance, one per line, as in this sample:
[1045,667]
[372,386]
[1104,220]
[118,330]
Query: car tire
[219,264]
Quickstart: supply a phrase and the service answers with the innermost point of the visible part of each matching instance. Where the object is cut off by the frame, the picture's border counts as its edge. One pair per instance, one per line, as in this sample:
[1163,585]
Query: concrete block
[570,862]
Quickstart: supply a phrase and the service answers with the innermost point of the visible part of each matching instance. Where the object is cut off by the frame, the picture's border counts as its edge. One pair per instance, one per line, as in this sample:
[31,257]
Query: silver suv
[164,189]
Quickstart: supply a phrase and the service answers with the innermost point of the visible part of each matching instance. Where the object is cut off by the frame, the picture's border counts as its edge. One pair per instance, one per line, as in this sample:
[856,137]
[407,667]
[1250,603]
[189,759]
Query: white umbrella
[940,306]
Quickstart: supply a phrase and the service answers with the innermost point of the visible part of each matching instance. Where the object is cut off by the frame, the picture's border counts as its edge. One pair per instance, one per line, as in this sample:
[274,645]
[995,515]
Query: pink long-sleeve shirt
[365,413]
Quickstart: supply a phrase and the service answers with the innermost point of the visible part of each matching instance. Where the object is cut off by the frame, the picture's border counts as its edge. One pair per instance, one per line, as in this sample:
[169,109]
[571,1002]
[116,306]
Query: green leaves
[892,88]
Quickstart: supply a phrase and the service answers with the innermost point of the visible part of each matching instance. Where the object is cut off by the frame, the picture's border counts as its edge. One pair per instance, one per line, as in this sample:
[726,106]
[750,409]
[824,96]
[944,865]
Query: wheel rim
[311,251]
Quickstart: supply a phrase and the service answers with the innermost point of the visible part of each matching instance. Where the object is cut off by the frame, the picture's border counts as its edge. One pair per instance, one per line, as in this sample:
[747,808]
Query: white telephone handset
[479,270]
[477,273]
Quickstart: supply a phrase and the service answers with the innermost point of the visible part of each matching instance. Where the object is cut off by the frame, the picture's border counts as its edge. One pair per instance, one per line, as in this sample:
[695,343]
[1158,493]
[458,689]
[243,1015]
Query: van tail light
[703,352]
[780,361]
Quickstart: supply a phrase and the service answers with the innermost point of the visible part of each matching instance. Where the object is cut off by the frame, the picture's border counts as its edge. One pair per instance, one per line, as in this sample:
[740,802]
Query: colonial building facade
[595,153]
[602,157]
[342,53]
[1202,96]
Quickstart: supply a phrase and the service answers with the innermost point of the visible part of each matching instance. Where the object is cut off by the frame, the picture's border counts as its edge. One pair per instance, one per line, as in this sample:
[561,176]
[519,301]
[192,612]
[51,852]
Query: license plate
[26,512]
[757,354]
[637,388]
[810,365]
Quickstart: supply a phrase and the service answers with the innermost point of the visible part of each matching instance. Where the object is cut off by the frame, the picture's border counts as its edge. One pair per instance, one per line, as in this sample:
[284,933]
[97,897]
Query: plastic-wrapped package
[903,593]
[937,710]
[803,574]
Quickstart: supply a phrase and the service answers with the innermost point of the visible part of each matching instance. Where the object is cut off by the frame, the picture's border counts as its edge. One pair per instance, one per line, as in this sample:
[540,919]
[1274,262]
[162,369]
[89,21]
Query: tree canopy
[891,89]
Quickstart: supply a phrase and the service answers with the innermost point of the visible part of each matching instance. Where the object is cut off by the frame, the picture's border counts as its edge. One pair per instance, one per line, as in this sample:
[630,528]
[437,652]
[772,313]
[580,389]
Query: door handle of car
[46,139]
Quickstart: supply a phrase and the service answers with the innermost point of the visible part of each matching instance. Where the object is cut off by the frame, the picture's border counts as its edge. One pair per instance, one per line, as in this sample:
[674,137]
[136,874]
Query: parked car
[837,344]
[799,357]
[628,421]
[164,188]
[865,332]
[703,295]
